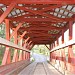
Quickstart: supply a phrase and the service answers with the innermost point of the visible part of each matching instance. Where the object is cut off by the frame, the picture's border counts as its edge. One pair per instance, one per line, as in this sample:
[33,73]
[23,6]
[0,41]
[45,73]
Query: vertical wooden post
[57,42]
[23,55]
[50,46]
[26,55]
[15,57]
[51,54]
[7,57]
[54,43]
[57,54]
[63,59]
[26,45]
[70,37]
[70,51]
[62,36]
[20,54]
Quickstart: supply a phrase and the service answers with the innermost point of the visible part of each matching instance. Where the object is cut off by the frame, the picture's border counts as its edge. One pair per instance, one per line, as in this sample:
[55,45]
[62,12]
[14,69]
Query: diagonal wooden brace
[20,24]
[8,10]
[22,36]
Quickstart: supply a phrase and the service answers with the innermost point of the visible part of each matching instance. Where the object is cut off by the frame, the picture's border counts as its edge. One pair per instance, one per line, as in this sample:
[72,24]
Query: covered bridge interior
[35,22]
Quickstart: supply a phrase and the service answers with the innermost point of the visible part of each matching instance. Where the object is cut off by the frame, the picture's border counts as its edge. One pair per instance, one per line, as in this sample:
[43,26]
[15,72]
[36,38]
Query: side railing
[62,53]
[60,59]
[18,63]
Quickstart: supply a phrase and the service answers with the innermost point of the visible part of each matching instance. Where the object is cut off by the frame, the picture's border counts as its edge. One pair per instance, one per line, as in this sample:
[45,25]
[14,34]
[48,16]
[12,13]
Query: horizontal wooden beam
[22,19]
[41,36]
[37,39]
[40,1]
[36,6]
[39,19]
[42,25]
[41,43]
[40,28]
[71,42]
[42,39]
[10,44]
[45,26]
[31,19]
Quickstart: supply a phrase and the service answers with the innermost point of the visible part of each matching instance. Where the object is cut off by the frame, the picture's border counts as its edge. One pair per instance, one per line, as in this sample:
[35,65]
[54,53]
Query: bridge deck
[39,69]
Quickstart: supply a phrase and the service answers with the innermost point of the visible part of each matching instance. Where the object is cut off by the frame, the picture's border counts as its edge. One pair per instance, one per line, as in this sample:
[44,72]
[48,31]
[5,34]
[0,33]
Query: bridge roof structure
[43,20]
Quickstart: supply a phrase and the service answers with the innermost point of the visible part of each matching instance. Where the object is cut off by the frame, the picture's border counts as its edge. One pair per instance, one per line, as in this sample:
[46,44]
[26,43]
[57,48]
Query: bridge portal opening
[40,53]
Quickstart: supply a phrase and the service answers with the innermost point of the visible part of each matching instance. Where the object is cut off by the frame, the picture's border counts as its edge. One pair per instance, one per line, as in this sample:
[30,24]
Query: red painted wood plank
[8,10]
